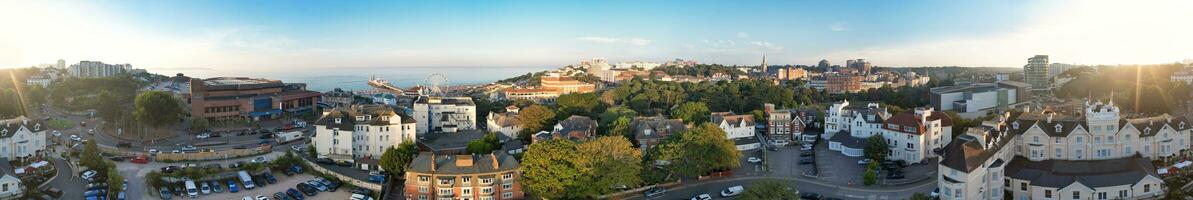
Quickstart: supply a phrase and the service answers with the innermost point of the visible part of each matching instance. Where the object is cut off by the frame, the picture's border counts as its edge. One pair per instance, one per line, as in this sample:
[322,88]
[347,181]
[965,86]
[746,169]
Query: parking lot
[284,183]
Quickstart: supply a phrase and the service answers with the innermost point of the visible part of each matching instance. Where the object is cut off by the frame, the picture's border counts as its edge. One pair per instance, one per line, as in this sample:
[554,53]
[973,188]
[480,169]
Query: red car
[140,159]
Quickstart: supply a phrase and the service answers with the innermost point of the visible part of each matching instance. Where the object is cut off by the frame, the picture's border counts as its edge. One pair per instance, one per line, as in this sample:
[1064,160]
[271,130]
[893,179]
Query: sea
[357,78]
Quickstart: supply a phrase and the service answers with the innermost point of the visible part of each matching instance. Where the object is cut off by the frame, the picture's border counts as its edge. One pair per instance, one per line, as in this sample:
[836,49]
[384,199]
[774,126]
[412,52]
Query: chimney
[1050,117]
[463,160]
[496,165]
[433,161]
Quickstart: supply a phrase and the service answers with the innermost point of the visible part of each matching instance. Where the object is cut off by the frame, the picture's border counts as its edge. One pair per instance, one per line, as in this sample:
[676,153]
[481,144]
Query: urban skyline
[165,37]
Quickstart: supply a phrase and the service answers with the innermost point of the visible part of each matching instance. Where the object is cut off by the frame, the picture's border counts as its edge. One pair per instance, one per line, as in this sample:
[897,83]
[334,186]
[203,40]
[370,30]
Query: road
[713,187]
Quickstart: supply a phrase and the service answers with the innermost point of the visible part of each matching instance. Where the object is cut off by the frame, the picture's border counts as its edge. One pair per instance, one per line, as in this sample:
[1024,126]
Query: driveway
[67,180]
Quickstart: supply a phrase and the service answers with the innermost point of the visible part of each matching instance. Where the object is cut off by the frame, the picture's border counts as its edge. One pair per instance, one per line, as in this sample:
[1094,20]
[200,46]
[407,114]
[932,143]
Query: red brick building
[476,177]
[225,98]
[843,83]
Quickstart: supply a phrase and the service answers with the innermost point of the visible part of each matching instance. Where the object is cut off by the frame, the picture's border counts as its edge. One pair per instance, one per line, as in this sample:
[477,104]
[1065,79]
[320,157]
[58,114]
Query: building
[484,176]
[361,132]
[505,123]
[384,98]
[22,138]
[977,98]
[226,98]
[650,131]
[10,185]
[1091,154]
[640,65]
[339,98]
[96,69]
[573,128]
[847,128]
[444,114]
[178,85]
[1184,75]
[860,65]
[790,73]
[681,63]
[38,80]
[1036,73]
[915,136]
[551,86]
[735,126]
[843,83]
[789,125]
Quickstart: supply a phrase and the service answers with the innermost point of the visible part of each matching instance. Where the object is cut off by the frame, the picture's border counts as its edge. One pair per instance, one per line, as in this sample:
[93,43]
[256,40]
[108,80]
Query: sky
[264,35]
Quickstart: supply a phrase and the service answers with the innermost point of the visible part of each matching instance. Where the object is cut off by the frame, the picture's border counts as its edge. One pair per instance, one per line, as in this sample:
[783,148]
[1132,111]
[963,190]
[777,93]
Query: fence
[350,180]
[214,155]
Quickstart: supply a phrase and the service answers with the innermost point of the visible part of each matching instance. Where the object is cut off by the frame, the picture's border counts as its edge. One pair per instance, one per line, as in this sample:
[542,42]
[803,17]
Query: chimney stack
[433,161]
[496,165]
[463,160]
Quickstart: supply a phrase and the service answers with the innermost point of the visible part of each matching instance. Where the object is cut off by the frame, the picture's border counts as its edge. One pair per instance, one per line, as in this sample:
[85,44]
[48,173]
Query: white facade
[361,132]
[21,138]
[10,186]
[39,80]
[735,126]
[446,114]
[96,69]
[1184,75]
[505,123]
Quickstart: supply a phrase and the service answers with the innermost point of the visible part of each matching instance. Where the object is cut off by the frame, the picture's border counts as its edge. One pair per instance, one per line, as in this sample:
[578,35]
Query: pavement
[67,180]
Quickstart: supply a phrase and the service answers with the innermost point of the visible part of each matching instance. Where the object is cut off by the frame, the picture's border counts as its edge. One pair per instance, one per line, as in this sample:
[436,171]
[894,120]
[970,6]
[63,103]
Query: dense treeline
[649,97]
[699,70]
[1140,88]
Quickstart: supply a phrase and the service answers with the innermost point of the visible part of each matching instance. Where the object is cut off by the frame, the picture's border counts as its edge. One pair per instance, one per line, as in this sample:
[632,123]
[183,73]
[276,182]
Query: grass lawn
[61,124]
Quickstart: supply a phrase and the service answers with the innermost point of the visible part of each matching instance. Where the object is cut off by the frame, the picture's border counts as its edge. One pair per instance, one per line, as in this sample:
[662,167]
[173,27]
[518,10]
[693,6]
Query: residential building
[444,114]
[735,126]
[861,65]
[361,132]
[1036,73]
[650,131]
[915,136]
[573,128]
[478,177]
[38,80]
[843,83]
[10,185]
[790,125]
[640,65]
[681,63]
[847,128]
[96,69]
[339,98]
[22,138]
[977,98]
[385,98]
[225,98]
[505,123]
[1091,154]
[1184,75]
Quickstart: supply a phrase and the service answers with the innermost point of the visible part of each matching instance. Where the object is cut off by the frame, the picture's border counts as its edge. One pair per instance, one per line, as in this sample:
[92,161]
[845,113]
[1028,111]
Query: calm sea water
[356,78]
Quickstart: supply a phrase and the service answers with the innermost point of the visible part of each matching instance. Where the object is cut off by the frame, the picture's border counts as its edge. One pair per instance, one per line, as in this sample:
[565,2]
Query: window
[424,178]
[1147,188]
[1058,152]
[1047,193]
[465,180]
[507,176]
[507,195]
[1109,127]
[1076,194]
[1006,182]
[486,190]
[507,186]
[1097,139]
[1080,140]
[1023,186]
[1058,140]
[1058,128]
[1035,139]
[1122,193]
[422,197]
[1109,139]
[422,189]
[1079,153]
[910,146]
[466,191]
[486,181]
[1102,195]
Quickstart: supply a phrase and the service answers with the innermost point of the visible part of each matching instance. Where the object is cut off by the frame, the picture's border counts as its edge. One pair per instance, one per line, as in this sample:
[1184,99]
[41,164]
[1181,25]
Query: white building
[847,128]
[21,138]
[444,114]
[1184,75]
[96,69]
[505,123]
[361,131]
[10,186]
[915,135]
[977,98]
[645,66]
[735,126]
[38,80]
[1094,154]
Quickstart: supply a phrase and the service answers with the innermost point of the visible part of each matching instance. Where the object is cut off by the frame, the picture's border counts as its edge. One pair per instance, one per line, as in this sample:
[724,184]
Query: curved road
[713,187]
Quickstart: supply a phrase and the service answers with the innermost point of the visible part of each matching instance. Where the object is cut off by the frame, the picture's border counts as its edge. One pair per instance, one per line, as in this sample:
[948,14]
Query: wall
[216,155]
[346,179]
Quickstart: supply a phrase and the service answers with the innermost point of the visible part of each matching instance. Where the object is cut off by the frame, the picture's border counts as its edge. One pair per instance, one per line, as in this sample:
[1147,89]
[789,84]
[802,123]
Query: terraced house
[361,132]
[1092,154]
[463,177]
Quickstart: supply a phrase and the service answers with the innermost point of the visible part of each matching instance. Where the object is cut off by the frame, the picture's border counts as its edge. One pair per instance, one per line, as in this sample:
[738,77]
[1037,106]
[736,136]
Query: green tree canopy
[549,171]
[562,169]
[611,115]
[768,190]
[157,109]
[876,148]
[692,112]
[484,145]
[395,160]
[697,151]
[584,104]
[534,118]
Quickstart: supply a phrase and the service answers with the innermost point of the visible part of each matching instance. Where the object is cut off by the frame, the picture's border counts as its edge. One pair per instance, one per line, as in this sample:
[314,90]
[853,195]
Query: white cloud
[1078,32]
[743,35]
[611,40]
[838,26]
[767,45]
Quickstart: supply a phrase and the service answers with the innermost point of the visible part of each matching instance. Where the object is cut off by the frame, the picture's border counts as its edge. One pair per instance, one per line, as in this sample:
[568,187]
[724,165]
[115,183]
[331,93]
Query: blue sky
[269,35]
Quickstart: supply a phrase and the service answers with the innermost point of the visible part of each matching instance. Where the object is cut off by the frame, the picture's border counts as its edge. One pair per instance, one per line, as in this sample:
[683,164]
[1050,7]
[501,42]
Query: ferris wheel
[436,83]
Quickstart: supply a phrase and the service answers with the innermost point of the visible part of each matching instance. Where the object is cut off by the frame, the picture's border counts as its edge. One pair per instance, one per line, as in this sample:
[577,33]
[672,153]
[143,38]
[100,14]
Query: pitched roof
[849,141]
[8,127]
[909,119]
[967,153]
[1092,173]
[348,116]
[448,165]
[732,119]
[576,127]
[658,127]
[505,119]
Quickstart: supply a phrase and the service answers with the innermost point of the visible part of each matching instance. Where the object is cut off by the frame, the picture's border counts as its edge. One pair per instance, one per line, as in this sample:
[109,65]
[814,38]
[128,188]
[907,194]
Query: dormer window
[360,118]
[1182,125]
[1147,130]
[1058,128]
[337,120]
[1015,125]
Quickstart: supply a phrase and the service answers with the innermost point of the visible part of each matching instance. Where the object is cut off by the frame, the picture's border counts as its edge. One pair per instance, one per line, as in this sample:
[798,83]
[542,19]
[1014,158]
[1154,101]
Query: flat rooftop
[240,83]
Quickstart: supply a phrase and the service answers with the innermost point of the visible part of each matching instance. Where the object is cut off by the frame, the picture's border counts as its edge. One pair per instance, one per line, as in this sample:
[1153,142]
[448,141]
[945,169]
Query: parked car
[215,187]
[702,197]
[232,186]
[307,189]
[235,165]
[76,138]
[296,148]
[864,161]
[57,134]
[805,148]
[204,188]
[344,163]
[359,197]
[732,191]
[88,175]
[294,193]
[140,159]
[754,160]
[935,193]
[259,160]
[154,151]
[189,148]
[807,153]
[805,161]
[281,196]
[318,185]
[53,192]
[376,177]
[269,178]
[203,136]
[655,191]
[296,168]
[810,196]
[170,169]
[164,193]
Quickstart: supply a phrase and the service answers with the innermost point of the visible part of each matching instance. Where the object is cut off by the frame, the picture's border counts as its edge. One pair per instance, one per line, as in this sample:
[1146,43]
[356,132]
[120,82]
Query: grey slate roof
[849,141]
[967,153]
[1095,173]
[348,115]
[8,127]
[659,127]
[446,164]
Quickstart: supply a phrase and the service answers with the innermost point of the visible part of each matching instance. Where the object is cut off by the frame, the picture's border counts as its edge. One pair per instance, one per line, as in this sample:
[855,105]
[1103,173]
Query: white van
[246,180]
[191,190]
[732,191]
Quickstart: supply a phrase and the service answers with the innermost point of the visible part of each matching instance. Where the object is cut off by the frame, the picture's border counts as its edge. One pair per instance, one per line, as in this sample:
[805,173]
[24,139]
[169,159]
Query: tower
[1035,73]
[765,69]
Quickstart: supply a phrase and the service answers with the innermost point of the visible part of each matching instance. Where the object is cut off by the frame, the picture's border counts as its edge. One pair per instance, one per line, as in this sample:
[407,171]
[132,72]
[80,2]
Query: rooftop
[1093,173]
[8,127]
[430,163]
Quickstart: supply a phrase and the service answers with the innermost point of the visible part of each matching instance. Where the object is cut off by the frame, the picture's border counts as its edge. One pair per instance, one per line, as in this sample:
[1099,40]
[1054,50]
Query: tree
[115,182]
[157,108]
[199,124]
[759,115]
[91,157]
[621,127]
[548,170]
[692,112]
[607,162]
[584,104]
[611,115]
[876,148]
[108,106]
[395,160]
[533,119]
[484,145]
[697,151]
[871,175]
[769,189]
